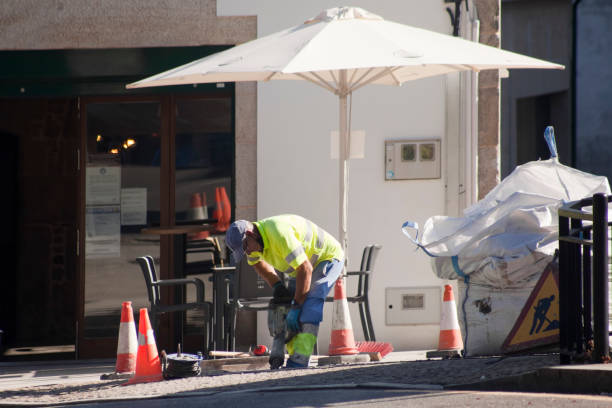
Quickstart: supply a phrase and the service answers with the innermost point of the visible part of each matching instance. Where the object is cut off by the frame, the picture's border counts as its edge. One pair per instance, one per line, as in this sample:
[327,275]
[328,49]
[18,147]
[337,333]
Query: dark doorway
[533,115]
[39,301]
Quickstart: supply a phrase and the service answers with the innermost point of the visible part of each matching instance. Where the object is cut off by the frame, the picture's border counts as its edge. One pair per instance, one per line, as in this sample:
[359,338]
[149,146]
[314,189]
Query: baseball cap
[234,236]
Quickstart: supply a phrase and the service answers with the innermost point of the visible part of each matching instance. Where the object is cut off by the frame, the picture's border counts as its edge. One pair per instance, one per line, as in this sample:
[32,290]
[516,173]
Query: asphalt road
[371,398]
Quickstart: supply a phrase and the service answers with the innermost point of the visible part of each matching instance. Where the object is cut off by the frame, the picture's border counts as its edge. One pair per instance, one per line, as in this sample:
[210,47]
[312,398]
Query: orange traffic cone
[218,212]
[450,334]
[198,211]
[128,343]
[148,366]
[227,209]
[204,205]
[342,339]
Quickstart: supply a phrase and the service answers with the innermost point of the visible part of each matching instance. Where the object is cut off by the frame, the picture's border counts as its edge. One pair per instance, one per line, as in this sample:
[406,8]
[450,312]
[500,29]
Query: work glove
[281,293]
[293,317]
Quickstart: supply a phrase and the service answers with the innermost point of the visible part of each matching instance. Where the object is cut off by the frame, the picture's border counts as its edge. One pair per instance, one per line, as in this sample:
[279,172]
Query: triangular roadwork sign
[538,323]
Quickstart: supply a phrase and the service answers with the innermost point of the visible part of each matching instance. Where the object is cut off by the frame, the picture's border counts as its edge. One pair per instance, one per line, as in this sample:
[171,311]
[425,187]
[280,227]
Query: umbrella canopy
[341,50]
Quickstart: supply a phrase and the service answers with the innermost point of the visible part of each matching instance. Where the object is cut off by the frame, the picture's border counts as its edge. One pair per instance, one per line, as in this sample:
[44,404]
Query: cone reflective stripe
[148,365]
[127,346]
[450,334]
[196,211]
[342,338]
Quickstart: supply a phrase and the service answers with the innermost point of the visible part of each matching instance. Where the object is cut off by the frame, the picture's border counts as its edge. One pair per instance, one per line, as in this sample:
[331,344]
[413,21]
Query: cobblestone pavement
[436,372]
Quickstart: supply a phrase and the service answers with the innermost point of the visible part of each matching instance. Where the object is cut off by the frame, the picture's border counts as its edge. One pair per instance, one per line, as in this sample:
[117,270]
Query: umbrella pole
[343,155]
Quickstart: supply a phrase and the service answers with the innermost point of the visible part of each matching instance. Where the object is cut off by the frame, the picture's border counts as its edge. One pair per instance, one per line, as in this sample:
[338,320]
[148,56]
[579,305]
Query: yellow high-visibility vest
[290,240]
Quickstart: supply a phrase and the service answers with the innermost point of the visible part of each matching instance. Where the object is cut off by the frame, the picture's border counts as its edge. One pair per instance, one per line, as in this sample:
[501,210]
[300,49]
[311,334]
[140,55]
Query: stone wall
[488,101]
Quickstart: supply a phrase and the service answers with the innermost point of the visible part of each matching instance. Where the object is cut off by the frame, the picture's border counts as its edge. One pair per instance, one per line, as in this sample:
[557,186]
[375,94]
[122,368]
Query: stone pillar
[489,86]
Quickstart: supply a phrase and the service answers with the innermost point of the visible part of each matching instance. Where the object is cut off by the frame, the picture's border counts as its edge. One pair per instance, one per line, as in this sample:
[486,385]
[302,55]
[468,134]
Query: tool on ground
[260,350]
[277,312]
[181,365]
[374,347]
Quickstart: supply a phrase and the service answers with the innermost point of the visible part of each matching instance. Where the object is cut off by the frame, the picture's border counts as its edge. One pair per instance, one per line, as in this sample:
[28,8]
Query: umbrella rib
[363,76]
[320,81]
[387,71]
[323,81]
[331,72]
[269,77]
[353,76]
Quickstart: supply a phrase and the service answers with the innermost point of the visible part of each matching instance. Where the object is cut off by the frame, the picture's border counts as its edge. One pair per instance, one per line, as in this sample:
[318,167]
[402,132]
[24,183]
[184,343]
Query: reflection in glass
[122,197]
[204,163]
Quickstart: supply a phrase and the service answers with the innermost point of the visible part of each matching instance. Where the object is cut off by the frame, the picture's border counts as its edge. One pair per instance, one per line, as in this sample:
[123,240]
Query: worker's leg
[302,345]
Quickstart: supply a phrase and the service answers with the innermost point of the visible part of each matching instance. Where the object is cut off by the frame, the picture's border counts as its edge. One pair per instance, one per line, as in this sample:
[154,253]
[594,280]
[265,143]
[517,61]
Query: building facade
[92,164]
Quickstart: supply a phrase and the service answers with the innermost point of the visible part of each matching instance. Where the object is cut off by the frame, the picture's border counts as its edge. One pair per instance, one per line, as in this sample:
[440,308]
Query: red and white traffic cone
[148,365]
[127,345]
[342,338]
[450,334]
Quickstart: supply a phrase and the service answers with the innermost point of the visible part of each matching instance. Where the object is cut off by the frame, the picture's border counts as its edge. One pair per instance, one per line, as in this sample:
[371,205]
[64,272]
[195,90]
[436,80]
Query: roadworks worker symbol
[538,323]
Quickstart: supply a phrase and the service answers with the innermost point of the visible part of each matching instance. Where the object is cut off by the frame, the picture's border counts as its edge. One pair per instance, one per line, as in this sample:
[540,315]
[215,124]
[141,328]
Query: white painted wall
[295,173]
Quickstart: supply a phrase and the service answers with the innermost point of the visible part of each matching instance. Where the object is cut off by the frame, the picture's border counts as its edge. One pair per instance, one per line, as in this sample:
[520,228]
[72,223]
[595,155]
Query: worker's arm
[302,281]
[267,272]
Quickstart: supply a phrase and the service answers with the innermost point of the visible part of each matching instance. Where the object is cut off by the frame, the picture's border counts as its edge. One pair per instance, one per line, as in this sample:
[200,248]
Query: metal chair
[147,266]
[247,292]
[209,246]
[366,269]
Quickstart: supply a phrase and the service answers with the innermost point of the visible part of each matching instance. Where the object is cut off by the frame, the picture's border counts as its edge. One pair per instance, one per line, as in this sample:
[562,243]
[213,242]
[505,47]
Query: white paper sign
[103,238]
[133,206]
[103,185]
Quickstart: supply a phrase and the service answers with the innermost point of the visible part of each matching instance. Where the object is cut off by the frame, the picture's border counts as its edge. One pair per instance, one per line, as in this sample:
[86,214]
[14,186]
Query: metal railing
[583,280]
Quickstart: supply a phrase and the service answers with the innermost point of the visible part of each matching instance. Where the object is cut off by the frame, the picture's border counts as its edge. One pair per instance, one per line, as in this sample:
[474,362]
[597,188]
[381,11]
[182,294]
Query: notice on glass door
[103,185]
[133,206]
[103,239]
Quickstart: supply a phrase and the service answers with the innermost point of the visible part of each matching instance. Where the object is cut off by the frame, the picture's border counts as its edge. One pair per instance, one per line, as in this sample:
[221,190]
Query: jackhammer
[277,313]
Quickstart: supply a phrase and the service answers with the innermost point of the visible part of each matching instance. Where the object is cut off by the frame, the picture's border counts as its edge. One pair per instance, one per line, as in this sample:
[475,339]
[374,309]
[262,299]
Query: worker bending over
[311,257]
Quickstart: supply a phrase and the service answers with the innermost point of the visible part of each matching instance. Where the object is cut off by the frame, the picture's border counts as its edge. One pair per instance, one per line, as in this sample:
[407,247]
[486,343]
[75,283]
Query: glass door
[204,162]
[150,162]
[123,161]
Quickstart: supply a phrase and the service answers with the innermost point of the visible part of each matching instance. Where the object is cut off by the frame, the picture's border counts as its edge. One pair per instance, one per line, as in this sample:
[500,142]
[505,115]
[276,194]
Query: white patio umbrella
[341,50]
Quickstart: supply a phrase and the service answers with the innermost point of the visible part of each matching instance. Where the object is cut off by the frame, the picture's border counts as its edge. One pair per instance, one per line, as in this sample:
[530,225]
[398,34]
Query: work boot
[276,362]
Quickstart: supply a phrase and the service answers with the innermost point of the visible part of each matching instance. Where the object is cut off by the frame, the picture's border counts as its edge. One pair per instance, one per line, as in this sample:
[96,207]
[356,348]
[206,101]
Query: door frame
[105,347]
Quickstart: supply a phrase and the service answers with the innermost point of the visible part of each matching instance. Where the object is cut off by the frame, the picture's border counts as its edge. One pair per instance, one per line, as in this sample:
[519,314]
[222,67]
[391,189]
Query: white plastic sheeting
[512,233]
[500,247]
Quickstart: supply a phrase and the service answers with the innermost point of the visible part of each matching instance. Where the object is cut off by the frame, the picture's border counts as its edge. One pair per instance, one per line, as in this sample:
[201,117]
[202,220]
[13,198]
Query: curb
[370,385]
[563,380]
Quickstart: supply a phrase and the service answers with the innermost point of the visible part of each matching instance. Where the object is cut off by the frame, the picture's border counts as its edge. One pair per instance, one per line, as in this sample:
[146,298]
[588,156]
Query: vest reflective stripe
[308,236]
[320,238]
[313,259]
[252,259]
[310,328]
[294,254]
[300,359]
[288,271]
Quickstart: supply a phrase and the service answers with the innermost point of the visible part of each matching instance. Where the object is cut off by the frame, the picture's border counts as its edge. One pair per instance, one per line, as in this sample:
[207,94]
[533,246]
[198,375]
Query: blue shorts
[324,277]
